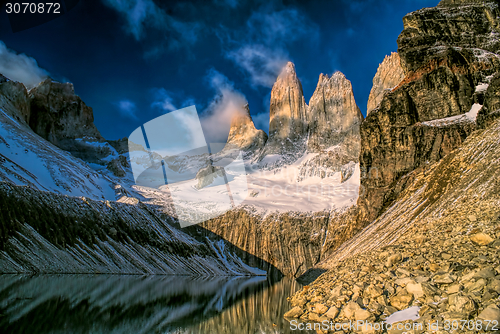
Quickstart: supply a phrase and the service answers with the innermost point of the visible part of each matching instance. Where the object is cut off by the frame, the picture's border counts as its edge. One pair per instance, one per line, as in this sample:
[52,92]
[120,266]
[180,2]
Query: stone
[454,289]
[461,304]
[363,315]
[443,279]
[401,301]
[320,308]
[491,313]
[350,309]
[481,239]
[295,312]
[415,289]
[332,313]
[472,218]
[494,285]
[446,256]
[373,291]
[393,259]
[488,272]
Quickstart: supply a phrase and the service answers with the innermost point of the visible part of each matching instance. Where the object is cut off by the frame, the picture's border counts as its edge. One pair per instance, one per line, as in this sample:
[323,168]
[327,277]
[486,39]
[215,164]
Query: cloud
[228,102]
[127,108]
[20,67]
[144,15]
[167,101]
[163,100]
[261,48]
[262,63]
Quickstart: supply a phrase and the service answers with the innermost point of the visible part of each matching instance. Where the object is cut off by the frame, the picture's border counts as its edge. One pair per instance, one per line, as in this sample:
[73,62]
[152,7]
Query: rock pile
[450,269]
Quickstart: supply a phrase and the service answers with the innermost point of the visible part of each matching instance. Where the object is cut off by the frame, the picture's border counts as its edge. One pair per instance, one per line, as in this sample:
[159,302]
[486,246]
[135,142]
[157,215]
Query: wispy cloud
[228,102]
[141,15]
[163,100]
[127,108]
[166,101]
[20,67]
[261,48]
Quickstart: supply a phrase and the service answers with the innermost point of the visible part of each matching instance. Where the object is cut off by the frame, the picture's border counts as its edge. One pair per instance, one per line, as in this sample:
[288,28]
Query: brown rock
[481,239]
[295,312]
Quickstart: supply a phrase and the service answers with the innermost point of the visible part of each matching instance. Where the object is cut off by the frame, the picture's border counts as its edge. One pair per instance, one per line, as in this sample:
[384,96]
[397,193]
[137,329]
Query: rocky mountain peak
[287,111]
[243,134]
[333,116]
[14,99]
[389,75]
[58,114]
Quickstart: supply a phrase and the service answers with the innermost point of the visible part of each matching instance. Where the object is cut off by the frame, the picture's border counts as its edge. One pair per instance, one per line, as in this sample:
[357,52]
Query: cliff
[389,75]
[333,116]
[446,54]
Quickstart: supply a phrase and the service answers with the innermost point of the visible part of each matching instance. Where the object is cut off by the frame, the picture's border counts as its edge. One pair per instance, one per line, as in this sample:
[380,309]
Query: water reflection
[135,304]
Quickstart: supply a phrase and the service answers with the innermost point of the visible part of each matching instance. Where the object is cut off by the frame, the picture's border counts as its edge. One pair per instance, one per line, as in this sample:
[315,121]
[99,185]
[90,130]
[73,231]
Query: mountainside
[435,249]
[43,232]
[447,59]
[61,216]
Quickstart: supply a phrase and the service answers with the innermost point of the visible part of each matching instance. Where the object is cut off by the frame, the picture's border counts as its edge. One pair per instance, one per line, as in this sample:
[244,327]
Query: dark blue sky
[133,60]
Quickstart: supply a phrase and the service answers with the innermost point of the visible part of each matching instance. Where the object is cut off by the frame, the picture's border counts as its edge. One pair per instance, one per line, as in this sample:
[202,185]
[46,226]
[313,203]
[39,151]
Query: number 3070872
[33,8]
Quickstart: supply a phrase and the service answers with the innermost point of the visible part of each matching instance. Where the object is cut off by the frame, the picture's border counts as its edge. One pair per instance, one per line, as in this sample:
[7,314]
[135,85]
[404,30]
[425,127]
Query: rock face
[446,54]
[58,114]
[292,251]
[14,99]
[243,135]
[491,108]
[333,116]
[288,123]
[206,176]
[389,75]
[435,250]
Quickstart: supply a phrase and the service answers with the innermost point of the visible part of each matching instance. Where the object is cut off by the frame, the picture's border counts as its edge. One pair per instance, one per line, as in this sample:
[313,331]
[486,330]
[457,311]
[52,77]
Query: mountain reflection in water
[136,304]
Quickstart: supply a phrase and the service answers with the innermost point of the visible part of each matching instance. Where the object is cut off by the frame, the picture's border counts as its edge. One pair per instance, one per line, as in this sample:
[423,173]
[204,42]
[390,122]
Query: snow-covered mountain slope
[28,159]
[45,232]
[309,184]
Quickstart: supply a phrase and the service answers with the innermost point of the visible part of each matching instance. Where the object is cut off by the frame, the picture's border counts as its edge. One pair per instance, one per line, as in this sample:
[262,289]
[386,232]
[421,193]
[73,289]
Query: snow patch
[469,116]
[410,313]
[482,87]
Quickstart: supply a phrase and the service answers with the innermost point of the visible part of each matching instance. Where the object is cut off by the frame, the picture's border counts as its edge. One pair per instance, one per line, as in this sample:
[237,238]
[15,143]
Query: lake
[143,304]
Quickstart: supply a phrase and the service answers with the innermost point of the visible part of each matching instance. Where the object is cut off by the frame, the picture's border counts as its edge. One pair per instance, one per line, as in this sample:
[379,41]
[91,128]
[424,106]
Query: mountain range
[377,215]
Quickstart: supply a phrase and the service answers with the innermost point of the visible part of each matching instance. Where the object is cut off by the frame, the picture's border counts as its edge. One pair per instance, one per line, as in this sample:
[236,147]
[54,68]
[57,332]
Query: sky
[135,60]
